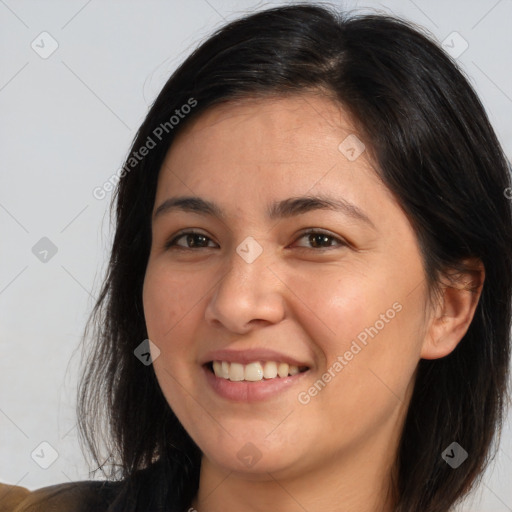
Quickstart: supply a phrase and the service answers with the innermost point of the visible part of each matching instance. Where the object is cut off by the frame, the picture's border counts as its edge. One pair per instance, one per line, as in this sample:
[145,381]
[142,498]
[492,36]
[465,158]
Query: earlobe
[454,311]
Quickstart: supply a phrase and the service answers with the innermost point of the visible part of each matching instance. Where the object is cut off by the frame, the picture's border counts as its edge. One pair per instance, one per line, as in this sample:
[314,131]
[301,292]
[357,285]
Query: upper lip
[250,355]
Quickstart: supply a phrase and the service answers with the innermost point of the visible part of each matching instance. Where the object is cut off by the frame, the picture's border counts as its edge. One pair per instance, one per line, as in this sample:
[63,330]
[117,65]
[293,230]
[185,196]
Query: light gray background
[67,122]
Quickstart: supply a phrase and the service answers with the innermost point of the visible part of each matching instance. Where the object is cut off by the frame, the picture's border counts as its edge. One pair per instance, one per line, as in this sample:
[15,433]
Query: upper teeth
[253,371]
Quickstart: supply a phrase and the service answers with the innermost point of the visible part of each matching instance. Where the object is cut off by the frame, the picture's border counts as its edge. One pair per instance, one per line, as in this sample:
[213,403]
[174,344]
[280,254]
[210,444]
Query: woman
[308,300]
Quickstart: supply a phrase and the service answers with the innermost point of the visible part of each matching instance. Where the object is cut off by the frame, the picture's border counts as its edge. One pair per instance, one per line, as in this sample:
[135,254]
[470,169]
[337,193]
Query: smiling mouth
[254,371]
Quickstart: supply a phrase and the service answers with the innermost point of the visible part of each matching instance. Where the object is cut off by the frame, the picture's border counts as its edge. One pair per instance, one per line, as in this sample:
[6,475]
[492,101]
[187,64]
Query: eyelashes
[201,241]
[190,235]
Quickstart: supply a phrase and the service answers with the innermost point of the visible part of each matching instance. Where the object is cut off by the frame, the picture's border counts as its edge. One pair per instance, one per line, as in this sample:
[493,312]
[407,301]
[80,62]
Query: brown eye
[193,240]
[321,240]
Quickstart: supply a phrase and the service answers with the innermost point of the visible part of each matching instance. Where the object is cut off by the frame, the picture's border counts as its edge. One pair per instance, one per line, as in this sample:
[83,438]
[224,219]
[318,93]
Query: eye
[321,240]
[192,239]
[195,240]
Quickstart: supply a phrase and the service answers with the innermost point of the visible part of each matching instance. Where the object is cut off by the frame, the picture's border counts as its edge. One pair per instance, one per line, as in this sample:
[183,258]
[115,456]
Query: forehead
[249,160]
[253,150]
[279,123]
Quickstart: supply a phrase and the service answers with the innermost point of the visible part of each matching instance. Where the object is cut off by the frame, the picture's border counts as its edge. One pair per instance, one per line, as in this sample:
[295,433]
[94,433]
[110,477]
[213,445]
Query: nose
[249,293]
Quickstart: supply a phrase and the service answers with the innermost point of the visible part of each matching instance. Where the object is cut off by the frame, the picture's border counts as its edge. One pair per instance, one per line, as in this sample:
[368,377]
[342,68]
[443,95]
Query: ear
[454,310]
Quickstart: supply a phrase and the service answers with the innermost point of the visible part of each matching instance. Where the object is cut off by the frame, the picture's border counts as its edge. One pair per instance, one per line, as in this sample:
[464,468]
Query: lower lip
[244,391]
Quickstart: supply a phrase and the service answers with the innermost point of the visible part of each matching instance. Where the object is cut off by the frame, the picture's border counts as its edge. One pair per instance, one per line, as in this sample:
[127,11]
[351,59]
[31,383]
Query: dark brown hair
[435,150]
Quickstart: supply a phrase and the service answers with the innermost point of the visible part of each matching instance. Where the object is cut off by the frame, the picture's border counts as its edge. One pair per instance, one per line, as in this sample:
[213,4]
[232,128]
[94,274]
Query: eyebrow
[277,210]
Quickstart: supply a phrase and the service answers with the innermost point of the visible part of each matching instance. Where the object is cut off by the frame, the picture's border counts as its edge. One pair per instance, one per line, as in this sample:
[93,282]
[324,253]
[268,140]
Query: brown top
[82,496]
[150,489]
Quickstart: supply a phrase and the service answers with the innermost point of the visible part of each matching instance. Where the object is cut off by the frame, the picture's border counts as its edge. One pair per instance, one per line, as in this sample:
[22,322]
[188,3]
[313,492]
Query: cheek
[168,298]
[340,304]
[371,321]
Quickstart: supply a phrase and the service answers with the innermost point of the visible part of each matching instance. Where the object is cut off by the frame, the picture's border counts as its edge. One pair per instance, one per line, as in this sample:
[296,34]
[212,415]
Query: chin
[247,456]
[258,469]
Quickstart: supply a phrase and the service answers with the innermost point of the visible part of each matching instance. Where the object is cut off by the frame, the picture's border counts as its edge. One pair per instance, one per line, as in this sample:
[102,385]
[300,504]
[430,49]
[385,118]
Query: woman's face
[251,290]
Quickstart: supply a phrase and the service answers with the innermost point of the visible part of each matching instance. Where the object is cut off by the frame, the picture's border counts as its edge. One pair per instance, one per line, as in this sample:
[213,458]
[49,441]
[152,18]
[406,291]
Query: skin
[334,453]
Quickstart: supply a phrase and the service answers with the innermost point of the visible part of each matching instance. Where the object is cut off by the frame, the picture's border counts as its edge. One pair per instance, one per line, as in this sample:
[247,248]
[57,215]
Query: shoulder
[81,496]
